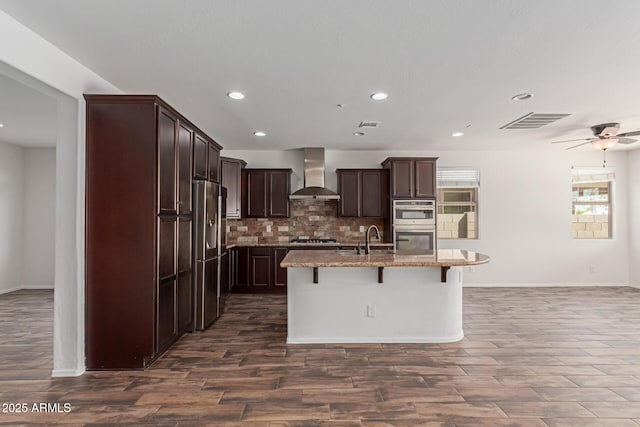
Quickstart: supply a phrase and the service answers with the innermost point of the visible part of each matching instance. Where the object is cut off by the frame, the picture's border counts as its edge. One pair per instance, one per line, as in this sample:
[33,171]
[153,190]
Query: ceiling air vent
[369,124]
[533,121]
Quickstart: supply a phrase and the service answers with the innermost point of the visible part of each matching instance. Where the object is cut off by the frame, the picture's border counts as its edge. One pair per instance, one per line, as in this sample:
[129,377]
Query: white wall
[39,218]
[11,216]
[517,187]
[34,61]
[634,218]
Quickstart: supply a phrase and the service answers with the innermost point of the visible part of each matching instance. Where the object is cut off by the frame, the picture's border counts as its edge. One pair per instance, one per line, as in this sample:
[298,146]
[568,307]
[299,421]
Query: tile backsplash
[313,218]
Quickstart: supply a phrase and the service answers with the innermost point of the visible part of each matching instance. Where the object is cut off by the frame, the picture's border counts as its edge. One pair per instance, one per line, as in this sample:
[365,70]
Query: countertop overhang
[443,258]
[330,258]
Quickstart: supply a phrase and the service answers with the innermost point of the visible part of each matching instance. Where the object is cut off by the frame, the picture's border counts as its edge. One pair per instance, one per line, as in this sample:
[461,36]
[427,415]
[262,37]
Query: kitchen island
[345,297]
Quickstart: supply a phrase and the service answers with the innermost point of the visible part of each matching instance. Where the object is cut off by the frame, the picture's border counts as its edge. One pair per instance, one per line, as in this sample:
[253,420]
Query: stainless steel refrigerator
[209,252]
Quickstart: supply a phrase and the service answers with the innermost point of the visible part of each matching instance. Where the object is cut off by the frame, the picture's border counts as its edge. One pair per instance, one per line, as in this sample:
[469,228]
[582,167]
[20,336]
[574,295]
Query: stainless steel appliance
[414,212]
[209,250]
[414,238]
[414,225]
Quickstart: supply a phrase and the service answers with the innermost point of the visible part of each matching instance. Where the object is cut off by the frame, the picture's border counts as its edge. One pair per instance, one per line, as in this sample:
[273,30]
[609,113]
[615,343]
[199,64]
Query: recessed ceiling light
[522,96]
[235,95]
[1,125]
[379,96]
[358,133]
[457,134]
[259,133]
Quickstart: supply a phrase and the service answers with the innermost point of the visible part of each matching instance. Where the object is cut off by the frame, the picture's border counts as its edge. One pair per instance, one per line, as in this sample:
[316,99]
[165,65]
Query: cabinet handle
[180,202]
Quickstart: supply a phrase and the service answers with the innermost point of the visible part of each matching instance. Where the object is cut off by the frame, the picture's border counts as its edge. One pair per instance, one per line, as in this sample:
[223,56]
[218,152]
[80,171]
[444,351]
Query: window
[591,203]
[457,203]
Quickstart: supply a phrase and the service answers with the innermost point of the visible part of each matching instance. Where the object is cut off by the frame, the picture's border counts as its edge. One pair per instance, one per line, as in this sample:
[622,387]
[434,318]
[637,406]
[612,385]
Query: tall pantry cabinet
[139,167]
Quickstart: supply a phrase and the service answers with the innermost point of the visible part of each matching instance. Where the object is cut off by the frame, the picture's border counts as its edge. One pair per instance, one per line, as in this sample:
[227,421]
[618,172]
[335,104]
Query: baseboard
[541,285]
[360,340]
[37,287]
[59,373]
[6,291]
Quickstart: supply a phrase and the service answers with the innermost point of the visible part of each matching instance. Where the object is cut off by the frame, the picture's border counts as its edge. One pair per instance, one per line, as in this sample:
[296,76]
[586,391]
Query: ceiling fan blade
[580,145]
[626,140]
[572,140]
[634,133]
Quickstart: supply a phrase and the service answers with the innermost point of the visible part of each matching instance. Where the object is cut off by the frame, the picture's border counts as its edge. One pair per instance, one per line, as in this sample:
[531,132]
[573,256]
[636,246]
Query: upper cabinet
[412,177]
[363,192]
[231,178]
[206,158]
[265,193]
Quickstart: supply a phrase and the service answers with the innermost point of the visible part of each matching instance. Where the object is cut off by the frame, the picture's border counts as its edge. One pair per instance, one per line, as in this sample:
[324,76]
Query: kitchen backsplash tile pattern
[312,218]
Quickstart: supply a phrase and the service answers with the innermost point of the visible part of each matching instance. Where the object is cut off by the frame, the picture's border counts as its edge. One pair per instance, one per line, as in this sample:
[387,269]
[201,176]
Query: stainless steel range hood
[314,177]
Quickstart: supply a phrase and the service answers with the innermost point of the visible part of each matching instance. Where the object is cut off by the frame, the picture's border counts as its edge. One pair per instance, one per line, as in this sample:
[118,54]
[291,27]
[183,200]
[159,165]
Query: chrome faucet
[367,249]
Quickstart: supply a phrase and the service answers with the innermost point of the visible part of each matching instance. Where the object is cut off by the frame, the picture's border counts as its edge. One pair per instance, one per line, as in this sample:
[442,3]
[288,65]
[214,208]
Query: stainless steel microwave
[414,212]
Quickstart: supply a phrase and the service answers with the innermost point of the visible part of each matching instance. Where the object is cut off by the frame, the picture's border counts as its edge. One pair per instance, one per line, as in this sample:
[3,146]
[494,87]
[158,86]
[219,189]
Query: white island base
[348,305]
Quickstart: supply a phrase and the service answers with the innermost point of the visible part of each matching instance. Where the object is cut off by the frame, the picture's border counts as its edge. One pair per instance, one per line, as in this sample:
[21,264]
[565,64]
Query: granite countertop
[330,246]
[324,258]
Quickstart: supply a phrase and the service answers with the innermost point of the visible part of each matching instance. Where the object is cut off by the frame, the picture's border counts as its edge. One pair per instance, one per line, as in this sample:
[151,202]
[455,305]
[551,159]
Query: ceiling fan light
[605,143]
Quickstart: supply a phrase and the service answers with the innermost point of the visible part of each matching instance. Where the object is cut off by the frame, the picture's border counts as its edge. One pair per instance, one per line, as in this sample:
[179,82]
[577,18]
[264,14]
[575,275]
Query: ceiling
[448,65]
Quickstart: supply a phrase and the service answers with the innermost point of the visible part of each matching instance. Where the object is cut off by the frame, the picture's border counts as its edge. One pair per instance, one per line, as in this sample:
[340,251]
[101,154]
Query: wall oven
[414,212]
[414,225]
[414,239]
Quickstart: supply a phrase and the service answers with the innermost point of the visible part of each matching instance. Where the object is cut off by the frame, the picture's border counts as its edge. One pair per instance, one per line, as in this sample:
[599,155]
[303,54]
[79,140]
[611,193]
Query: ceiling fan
[606,136]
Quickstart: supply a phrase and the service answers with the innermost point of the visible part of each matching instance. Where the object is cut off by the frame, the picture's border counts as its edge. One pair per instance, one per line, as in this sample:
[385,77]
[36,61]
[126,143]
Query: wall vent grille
[533,121]
[369,124]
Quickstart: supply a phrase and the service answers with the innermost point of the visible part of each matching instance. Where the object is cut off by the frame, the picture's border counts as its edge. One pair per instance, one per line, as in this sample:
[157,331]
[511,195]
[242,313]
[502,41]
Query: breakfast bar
[380,297]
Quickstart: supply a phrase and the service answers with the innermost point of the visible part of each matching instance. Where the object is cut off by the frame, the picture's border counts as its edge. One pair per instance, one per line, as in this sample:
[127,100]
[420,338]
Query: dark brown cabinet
[257,270]
[265,193]
[200,153]
[412,178]
[260,268]
[238,269]
[206,158]
[214,162]
[363,192]
[231,178]
[279,273]
[140,163]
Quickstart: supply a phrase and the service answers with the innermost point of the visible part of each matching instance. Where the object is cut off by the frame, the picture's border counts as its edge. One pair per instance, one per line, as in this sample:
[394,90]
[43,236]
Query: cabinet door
[185,153]
[349,188]
[200,152]
[279,189]
[233,269]
[185,295]
[402,179]
[375,191]
[166,330]
[256,193]
[425,174]
[214,163]
[260,268]
[242,260]
[166,247]
[280,274]
[167,130]
[230,178]
[224,280]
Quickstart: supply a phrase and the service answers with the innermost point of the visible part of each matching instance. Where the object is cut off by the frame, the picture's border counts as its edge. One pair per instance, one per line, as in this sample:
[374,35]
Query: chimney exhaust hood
[314,177]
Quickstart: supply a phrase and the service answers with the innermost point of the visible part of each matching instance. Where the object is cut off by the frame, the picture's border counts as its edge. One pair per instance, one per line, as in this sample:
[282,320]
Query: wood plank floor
[531,357]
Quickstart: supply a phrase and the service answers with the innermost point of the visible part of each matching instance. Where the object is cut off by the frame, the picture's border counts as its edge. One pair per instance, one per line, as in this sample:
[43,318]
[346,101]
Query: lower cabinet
[257,270]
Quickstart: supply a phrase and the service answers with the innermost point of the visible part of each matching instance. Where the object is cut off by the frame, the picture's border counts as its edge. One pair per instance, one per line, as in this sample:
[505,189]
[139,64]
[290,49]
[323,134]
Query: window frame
[460,179]
[582,176]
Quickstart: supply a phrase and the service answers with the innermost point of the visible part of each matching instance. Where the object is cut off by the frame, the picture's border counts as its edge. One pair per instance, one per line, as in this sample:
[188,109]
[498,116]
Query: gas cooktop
[314,240]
